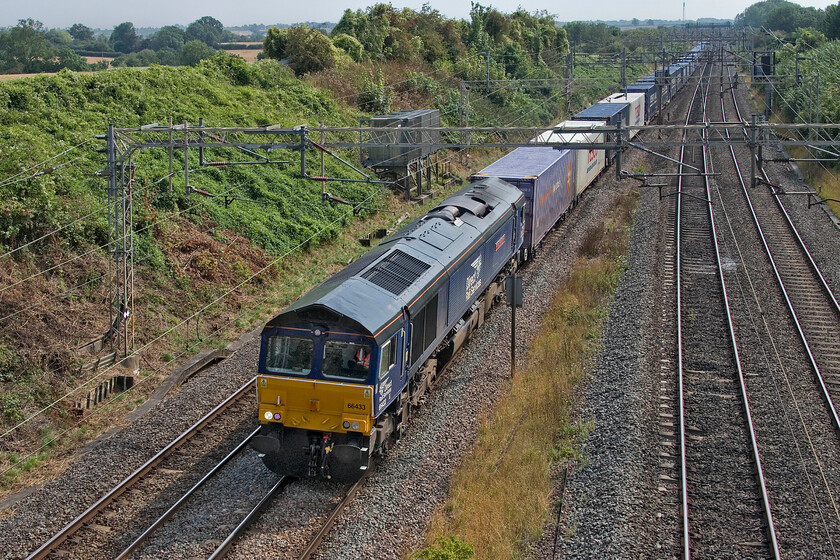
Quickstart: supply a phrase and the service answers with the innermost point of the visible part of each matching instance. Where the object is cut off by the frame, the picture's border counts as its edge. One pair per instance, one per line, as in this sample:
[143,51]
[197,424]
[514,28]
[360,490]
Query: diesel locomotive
[340,368]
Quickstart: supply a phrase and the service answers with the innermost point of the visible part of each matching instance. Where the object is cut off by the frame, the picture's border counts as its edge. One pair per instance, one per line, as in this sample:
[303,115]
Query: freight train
[341,369]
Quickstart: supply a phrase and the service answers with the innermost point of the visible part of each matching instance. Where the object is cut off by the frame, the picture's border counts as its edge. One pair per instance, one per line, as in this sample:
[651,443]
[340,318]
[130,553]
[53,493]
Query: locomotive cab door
[390,377]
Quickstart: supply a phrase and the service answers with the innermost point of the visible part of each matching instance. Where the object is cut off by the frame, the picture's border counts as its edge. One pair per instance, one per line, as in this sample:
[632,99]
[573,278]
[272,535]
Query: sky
[105,14]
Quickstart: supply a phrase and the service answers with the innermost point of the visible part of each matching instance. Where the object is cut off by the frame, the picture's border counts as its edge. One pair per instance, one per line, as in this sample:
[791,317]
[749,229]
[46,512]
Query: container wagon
[649,89]
[635,115]
[589,162]
[546,178]
[608,113]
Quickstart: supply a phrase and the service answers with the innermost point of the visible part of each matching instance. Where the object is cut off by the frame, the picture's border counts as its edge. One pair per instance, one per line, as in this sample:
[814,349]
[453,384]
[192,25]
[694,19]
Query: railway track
[811,302]
[797,421]
[724,503]
[227,542]
[88,535]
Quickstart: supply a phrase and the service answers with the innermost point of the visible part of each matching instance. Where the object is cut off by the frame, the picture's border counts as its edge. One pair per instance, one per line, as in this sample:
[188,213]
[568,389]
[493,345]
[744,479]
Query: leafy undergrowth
[193,256]
[204,270]
[49,443]
[500,496]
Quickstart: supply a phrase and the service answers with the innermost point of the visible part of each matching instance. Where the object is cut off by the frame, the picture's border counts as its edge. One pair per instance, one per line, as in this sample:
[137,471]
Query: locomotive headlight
[355,426]
[345,425]
[277,416]
[268,415]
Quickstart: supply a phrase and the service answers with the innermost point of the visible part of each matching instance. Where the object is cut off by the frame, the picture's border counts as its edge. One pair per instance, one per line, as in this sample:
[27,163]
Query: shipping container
[636,108]
[662,80]
[608,113]
[546,178]
[589,162]
[675,75]
[651,97]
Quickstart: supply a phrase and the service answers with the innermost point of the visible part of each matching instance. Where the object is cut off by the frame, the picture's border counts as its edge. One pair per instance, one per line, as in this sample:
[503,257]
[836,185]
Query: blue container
[610,114]
[546,178]
[651,97]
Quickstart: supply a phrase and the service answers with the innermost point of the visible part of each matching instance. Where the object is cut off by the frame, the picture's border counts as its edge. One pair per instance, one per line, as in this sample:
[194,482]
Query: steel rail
[328,524]
[680,381]
[730,326]
[821,381]
[168,514]
[223,548]
[765,498]
[44,550]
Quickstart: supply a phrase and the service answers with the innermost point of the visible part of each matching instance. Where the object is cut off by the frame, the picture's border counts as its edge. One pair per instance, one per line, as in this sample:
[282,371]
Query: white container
[588,163]
[636,115]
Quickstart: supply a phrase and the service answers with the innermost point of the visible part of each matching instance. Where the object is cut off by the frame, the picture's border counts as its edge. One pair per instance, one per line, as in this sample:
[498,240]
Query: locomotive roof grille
[396,272]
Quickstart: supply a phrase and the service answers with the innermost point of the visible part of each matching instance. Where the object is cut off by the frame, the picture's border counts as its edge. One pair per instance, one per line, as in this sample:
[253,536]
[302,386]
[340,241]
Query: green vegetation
[27,48]
[446,548]
[809,96]
[506,482]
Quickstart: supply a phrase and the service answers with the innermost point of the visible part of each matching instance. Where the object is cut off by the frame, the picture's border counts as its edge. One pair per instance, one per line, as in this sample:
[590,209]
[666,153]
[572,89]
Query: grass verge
[821,177]
[500,497]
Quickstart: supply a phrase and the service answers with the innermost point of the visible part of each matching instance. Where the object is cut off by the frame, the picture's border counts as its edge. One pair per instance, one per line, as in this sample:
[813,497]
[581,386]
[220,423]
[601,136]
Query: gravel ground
[31,520]
[391,512]
[795,435]
[616,505]
[427,456]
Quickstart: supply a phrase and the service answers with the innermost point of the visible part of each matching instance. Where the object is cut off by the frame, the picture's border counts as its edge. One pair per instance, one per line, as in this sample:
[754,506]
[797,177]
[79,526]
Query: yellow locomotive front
[316,402]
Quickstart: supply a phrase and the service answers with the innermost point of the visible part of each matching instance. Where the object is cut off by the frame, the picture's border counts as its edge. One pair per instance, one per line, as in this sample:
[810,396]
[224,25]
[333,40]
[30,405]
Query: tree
[168,37]
[831,21]
[194,52]
[59,37]
[274,44]
[350,45]
[309,50]
[81,32]
[809,38]
[375,94]
[168,57]
[206,29]
[496,25]
[24,48]
[124,38]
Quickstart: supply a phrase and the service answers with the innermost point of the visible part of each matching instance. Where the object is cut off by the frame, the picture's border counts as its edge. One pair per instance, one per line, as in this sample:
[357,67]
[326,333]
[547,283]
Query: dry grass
[825,179]
[500,497]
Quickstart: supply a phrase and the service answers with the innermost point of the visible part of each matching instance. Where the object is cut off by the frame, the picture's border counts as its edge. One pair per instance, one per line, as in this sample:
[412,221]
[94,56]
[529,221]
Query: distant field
[8,77]
[95,59]
[250,55]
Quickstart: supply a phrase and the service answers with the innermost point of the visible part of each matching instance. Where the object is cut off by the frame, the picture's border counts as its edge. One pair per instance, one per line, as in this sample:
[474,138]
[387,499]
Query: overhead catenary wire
[191,317]
[8,180]
[103,275]
[194,315]
[215,301]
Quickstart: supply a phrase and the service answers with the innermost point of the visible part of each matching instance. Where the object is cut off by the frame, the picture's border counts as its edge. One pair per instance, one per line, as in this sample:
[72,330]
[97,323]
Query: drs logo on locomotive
[474,279]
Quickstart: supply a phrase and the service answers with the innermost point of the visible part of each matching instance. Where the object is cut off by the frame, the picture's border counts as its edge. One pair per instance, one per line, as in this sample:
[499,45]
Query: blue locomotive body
[340,367]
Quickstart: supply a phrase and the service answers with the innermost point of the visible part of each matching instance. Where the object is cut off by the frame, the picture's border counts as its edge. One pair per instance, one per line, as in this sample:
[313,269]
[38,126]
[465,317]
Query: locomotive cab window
[388,357]
[346,360]
[287,354]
